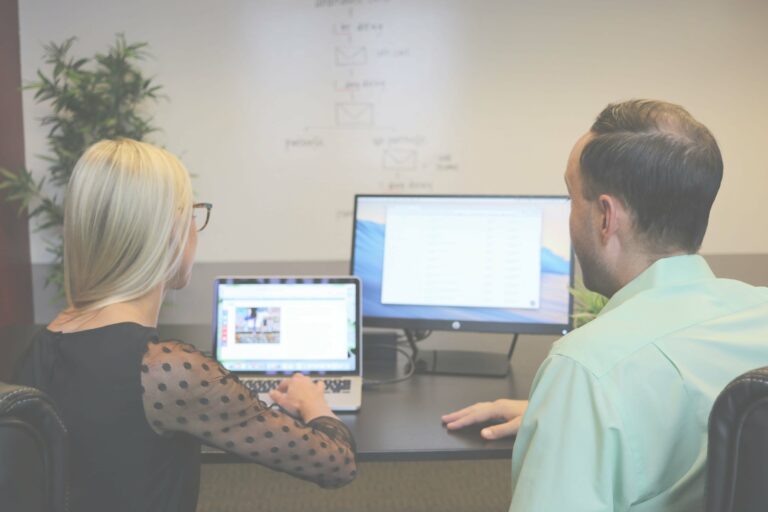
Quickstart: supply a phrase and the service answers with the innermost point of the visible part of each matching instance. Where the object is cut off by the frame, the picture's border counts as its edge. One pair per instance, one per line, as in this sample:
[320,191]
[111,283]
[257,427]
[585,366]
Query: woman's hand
[510,412]
[298,395]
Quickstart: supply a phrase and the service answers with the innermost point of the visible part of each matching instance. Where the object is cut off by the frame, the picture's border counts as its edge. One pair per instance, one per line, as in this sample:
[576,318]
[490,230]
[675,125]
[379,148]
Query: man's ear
[610,211]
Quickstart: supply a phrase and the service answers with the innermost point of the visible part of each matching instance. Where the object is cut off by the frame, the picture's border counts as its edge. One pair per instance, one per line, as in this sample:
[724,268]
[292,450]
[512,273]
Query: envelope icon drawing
[357,56]
[354,114]
[401,159]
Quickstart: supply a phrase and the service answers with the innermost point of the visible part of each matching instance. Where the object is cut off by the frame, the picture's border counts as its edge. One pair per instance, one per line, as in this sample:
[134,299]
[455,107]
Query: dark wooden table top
[401,421]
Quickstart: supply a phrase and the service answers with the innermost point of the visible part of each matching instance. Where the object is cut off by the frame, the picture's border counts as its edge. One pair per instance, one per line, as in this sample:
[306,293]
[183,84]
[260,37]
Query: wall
[15,276]
[285,110]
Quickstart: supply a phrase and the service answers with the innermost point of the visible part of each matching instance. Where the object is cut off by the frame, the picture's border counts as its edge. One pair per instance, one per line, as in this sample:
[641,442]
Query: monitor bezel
[316,280]
[456,325]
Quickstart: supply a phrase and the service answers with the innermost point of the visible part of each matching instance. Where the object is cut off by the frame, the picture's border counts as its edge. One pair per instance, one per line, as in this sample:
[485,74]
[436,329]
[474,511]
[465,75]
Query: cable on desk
[411,369]
[416,336]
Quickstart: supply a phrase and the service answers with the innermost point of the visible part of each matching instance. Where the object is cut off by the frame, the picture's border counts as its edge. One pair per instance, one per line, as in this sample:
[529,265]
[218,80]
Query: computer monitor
[499,264]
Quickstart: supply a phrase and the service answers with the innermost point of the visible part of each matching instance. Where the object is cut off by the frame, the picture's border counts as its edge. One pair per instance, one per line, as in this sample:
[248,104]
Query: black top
[135,436]
[117,462]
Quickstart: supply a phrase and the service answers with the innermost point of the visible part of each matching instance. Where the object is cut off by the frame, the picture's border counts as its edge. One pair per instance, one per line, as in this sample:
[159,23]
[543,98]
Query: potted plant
[586,304]
[103,97]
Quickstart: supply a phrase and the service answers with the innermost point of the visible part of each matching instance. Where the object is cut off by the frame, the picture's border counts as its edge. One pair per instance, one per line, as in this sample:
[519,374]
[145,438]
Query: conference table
[401,421]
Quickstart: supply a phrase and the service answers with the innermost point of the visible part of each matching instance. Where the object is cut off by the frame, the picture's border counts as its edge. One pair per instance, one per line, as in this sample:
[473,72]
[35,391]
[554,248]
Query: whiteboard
[284,109]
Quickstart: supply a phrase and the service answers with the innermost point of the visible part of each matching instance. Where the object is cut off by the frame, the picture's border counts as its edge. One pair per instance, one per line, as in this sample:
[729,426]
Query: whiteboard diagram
[354,56]
[399,159]
[354,114]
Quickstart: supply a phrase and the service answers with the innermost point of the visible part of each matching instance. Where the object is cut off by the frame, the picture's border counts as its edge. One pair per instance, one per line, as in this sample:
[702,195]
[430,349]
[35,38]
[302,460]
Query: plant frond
[90,98]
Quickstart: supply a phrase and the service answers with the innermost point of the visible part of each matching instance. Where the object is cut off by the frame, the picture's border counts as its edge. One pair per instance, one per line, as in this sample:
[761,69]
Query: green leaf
[89,99]
[587,304]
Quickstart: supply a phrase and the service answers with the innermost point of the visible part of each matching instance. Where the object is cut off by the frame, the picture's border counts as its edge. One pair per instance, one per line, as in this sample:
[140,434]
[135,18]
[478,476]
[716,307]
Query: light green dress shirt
[618,411]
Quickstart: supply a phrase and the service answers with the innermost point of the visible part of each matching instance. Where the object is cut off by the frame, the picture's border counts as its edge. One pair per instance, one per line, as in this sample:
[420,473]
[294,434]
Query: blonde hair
[127,217]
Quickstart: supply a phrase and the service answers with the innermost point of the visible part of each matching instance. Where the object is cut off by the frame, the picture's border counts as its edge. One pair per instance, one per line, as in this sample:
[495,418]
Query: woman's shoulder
[169,354]
[114,351]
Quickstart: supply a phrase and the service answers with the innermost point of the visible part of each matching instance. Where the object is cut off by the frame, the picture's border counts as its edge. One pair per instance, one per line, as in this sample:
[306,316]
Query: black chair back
[33,452]
[737,457]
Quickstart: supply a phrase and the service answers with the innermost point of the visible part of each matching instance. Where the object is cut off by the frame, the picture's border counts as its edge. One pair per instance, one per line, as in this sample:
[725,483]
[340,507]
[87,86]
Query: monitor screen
[471,263]
[285,325]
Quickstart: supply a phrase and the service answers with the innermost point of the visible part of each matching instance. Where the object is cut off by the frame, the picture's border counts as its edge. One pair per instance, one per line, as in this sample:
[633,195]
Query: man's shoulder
[600,344]
[653,315]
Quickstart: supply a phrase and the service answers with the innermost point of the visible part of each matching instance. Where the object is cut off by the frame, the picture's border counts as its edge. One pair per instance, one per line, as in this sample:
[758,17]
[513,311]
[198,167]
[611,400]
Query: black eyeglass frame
[207,207]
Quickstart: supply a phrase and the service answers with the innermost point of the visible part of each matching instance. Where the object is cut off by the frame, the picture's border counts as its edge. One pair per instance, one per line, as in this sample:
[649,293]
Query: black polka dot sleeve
[187,391]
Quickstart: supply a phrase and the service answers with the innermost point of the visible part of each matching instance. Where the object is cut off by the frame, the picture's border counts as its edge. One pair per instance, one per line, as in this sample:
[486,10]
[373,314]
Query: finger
[283,386]
[452,416]
[276,396]
[462,422]
[283,402]
[282,399]
[509,428]
[476,416]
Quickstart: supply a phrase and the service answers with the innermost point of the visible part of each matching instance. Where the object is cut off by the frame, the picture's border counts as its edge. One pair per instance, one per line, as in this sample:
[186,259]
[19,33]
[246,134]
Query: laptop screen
[286,325]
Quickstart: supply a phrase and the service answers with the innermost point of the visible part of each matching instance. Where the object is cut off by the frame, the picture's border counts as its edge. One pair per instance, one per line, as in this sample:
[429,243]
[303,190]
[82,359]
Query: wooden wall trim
[15,267]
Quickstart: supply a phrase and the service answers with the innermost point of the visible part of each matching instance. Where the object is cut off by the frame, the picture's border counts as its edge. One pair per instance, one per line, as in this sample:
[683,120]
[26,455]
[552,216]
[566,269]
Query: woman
[137,407]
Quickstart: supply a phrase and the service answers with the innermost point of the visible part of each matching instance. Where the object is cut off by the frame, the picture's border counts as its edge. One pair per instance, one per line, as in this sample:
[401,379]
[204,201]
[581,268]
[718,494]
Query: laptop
[267,328]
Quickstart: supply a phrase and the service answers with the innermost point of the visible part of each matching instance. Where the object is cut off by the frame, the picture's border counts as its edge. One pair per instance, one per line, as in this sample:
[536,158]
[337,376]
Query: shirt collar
[663,273]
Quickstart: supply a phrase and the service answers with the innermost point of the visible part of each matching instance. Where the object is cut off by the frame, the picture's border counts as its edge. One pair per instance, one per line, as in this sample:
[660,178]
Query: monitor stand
[461,362]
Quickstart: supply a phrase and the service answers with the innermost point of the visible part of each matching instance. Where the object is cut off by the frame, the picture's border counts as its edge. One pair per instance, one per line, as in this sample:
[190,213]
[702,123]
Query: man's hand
[300,396]
[510,412]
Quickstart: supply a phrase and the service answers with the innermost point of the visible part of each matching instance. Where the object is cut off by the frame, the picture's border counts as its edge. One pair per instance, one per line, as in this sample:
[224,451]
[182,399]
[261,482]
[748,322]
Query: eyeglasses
[201,222]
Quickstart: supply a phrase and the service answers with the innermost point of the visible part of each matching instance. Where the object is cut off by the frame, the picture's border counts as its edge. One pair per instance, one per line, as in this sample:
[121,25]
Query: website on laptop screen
[287,327]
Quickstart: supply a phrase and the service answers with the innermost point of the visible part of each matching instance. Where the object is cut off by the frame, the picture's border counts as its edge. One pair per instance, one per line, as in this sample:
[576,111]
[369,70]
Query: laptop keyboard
[266,385]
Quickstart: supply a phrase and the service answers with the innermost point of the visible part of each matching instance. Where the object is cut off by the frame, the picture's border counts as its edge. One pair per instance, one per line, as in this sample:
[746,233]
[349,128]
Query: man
[617,418]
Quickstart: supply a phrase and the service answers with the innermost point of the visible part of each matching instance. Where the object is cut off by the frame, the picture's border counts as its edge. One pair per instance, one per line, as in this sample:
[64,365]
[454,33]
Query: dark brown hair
[662,163]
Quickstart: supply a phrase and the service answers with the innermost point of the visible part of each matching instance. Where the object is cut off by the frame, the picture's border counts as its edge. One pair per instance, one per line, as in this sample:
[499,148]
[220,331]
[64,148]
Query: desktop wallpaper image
[370,232]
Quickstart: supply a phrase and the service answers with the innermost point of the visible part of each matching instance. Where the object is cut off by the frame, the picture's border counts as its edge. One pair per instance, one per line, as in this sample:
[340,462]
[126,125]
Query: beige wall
[194,304]
[497,89]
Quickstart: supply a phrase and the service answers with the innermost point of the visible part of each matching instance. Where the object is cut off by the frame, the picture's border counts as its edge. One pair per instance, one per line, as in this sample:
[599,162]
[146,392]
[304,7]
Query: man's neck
[638,263]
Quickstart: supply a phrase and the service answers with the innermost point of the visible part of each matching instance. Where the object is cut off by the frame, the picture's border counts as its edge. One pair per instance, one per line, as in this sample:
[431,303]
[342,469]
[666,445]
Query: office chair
[737,458]
[33,446]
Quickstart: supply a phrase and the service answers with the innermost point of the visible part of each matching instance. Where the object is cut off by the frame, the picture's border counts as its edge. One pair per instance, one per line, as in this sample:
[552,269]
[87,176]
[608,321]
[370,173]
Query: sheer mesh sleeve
[186,391]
